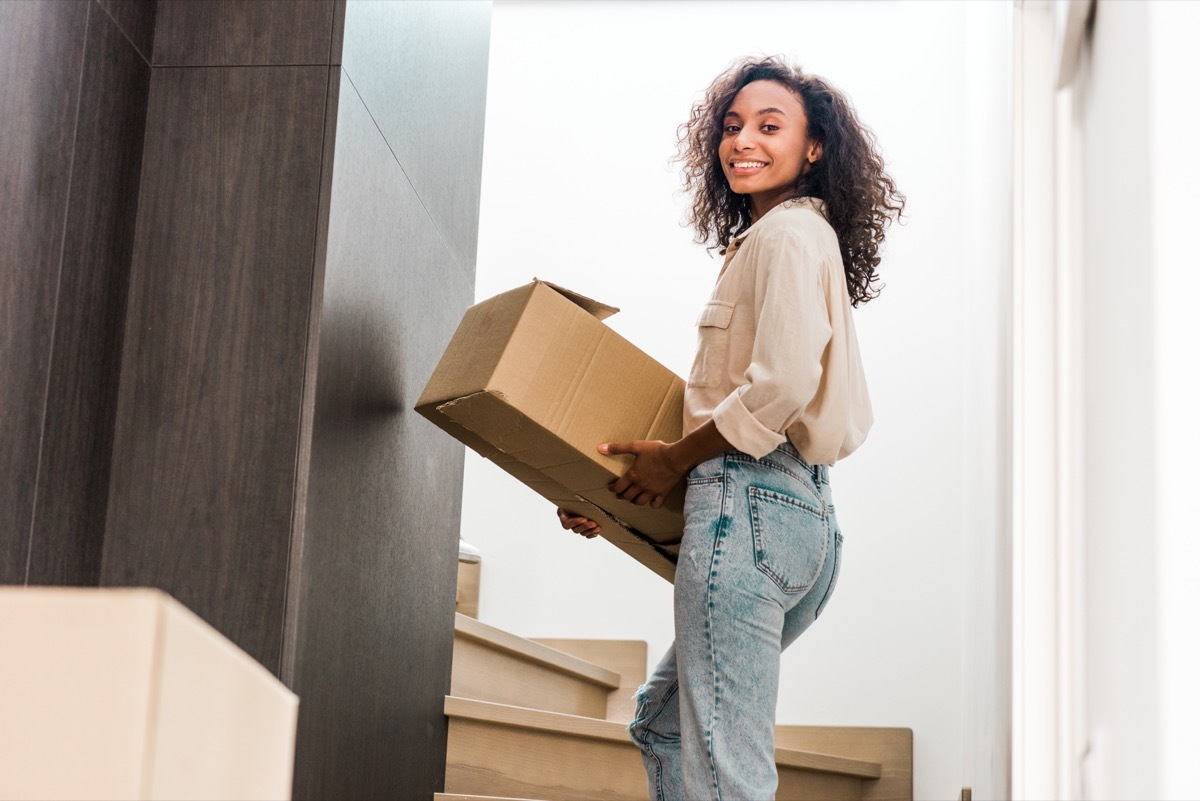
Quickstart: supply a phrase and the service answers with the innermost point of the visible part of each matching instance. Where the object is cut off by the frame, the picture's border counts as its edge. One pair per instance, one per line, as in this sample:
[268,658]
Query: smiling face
[765,145]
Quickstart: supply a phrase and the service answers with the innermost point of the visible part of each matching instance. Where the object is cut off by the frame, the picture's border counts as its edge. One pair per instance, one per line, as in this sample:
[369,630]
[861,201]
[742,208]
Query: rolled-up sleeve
[791,333]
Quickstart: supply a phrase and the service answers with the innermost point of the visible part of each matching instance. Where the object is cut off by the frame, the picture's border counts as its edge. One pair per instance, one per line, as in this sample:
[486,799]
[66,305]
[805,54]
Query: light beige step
[624,657]
[493,665]
[466,596]
[892,748]
[505,750]
[460,797]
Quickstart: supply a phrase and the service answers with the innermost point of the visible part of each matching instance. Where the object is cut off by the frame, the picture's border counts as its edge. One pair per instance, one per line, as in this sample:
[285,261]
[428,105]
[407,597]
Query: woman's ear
[814,152]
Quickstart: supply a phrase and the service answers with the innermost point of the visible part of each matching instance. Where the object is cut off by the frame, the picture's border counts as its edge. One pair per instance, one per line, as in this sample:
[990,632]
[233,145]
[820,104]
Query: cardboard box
[126,694]
[533,380]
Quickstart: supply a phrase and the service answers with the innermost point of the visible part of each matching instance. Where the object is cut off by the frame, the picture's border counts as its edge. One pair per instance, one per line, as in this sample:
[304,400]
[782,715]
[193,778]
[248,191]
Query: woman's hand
[651,477]
[580,525]
[658,466]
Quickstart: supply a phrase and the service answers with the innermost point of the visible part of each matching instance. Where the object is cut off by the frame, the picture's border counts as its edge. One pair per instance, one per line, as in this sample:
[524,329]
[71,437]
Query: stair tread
[535,652]
[469,797]
[615,731]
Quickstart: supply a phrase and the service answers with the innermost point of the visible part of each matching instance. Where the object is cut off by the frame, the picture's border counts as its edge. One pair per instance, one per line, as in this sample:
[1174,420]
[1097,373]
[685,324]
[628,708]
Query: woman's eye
[769,128]
[732,129]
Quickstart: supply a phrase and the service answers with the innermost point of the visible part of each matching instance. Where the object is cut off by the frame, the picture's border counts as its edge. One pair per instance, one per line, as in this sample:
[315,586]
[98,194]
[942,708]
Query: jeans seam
[645,744]
[756,527]
[658,771]
[719,540]
[784,498]
[837,556]
[662,705]
[811,479]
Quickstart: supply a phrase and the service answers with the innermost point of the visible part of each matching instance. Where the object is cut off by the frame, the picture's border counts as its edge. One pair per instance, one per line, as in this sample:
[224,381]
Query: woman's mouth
[746,167]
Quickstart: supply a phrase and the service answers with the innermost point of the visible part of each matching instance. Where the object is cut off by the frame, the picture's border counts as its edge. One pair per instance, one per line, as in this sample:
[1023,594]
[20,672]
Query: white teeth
[748,164]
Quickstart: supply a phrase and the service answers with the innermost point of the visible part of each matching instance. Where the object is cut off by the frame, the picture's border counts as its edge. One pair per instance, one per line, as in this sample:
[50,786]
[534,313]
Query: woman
[790,186]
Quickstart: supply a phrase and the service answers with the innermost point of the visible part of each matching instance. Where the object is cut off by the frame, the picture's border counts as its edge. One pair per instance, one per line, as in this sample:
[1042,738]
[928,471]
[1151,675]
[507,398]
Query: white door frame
[1047,402]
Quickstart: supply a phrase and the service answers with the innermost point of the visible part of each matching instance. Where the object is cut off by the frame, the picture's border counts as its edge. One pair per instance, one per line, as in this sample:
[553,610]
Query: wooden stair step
[891,747]
[627,658]
[461,797]
[500,749]
[492,665]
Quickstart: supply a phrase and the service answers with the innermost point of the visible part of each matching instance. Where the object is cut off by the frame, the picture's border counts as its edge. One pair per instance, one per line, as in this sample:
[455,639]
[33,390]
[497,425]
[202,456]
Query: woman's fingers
[646,497]
[579,524]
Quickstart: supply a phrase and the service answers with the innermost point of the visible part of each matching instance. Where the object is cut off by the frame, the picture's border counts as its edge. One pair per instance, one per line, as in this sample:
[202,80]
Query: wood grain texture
[460,797]
[68,530]
[509,751]
[377,584]
[212,33]
[135,18]
[503,750]
[488,675]
[405,59]
[205,445]
[491,759]
[291,622]
[892,748]
[466,628]
[41,54]
[492,665]
[337,39]
[627,658]
[802,785]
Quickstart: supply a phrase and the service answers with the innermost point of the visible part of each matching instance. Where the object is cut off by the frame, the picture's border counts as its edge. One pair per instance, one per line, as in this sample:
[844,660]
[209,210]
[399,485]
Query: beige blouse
[778,354]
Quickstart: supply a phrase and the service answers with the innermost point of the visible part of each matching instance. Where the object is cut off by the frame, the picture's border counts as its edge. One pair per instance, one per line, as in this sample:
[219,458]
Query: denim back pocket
[791,539]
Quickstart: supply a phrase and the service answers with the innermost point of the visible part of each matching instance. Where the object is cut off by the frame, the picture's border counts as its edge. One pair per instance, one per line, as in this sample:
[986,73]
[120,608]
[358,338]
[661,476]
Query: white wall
[1119,447]
[584,100]
[1138,124]
[1174,67]
[986,283]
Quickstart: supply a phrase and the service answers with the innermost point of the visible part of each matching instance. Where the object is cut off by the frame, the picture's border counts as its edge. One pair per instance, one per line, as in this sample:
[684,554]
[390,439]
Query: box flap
[601,311]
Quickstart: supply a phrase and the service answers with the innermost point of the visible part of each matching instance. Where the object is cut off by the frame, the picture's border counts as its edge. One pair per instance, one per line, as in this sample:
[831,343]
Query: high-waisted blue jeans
[760,557]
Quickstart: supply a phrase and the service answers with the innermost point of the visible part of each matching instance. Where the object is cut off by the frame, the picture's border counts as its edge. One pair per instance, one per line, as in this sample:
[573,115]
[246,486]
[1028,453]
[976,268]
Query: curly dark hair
[861,199]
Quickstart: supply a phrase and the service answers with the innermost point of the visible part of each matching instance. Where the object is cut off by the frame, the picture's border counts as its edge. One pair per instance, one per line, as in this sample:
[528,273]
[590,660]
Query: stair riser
[461,797]
[805,785]
[489,759]
[624,657]
[483,673]
[497,760]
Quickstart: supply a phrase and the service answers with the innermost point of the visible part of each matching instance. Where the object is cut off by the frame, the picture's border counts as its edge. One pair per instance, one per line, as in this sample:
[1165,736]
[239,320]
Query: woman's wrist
[699,446]
[676,457]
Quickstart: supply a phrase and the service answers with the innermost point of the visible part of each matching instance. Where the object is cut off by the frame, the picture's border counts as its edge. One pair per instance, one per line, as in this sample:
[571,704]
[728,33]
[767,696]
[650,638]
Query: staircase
[546,720]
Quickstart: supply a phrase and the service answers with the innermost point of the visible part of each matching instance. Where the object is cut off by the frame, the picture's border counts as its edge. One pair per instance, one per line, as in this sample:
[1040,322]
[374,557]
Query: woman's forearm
[699,446]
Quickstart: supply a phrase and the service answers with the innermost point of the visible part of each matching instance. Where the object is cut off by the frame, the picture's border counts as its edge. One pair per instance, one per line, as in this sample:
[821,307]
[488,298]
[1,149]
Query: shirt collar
[815,203]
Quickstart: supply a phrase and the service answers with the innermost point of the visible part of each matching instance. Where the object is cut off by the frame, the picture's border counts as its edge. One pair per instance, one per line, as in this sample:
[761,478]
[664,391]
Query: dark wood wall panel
[214,327]
[41,52]
[242,32]
[68,531]
[291,621]
[406,60]
[206,434]
[135,18]
[381,540]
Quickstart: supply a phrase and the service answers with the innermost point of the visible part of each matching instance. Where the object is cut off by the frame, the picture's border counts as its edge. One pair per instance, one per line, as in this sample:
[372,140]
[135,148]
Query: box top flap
[601,311]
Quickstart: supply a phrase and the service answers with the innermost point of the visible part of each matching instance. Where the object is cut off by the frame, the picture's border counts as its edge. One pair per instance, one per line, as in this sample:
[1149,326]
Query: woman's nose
[743,141]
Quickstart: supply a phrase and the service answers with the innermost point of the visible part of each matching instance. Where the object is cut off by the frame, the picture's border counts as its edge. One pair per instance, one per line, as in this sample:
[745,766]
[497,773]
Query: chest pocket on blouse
[712,354]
